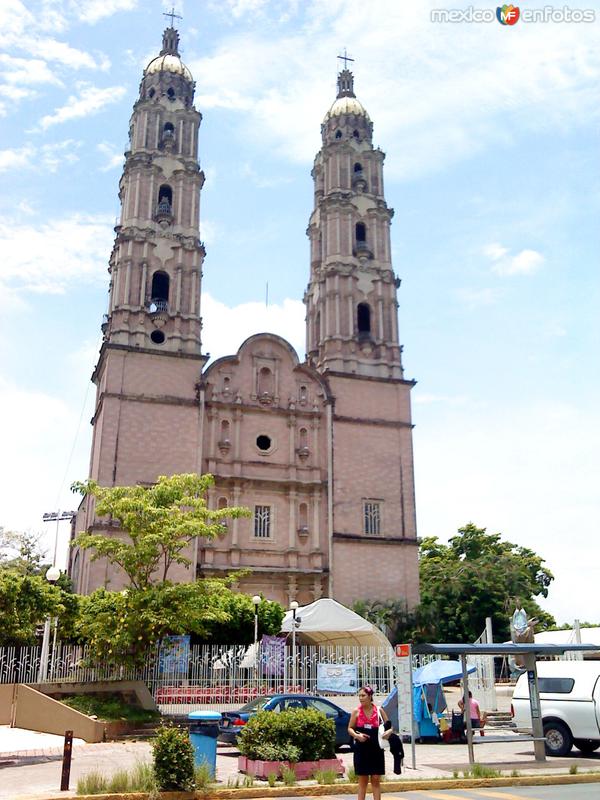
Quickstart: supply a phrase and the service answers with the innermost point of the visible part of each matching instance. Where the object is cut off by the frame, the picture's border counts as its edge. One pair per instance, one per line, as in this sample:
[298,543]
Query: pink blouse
[362,720]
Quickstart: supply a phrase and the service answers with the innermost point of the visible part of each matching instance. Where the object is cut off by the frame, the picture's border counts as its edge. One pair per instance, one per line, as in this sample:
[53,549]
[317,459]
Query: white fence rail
[205,675]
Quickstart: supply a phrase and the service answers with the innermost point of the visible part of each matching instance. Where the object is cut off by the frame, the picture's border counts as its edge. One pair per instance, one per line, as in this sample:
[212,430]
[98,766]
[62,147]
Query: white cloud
[48,157]
[90,100]
[526,262]
[91,11]
[114,158]
[26,70]
[16,158]
[64,54]
[435,110]
[225,327]
[48,258]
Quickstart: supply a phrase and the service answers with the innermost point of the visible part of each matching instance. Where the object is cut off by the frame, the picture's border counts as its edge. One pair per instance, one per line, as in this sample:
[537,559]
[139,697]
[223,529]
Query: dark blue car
[233,721]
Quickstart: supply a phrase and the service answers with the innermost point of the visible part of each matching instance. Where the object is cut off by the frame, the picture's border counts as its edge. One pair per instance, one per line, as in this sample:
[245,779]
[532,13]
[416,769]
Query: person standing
[369,761]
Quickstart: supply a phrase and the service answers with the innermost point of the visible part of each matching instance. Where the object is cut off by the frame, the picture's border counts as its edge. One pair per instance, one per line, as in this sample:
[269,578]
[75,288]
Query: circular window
[263,442]
[157,337]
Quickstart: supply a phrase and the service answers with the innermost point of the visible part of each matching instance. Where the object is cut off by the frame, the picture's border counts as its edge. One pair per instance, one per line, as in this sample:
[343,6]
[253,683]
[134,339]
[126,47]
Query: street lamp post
[52,576]
[256,600]
[295,623]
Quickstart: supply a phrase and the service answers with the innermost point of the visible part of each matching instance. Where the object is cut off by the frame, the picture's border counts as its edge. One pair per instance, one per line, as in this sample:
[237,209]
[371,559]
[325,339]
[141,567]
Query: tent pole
[467,708]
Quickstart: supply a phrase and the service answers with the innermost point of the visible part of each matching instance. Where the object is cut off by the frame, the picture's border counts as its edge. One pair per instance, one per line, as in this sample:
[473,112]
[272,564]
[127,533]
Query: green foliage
[139,779]
[325,776]
[476,575]
[92,783]
[267,751]
[481,771]
[573,769]
[173,760]
[235,624]
[159,522]
[351,774]
[21,552]
[288,776]
[272,778]
[203,776]
[306,729]
[25,602]
[248,781]
[109,707]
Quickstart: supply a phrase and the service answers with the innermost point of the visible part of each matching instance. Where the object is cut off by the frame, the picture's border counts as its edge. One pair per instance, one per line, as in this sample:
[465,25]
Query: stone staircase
[499,719]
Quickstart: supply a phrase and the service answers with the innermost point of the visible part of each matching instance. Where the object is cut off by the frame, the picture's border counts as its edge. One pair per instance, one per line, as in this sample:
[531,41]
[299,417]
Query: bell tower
[351,297]
[156,263]
[352,341]
[146,421]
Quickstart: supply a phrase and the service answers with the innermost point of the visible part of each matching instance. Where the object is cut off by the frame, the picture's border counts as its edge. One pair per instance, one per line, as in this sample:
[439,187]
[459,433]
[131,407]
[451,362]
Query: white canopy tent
[327,622]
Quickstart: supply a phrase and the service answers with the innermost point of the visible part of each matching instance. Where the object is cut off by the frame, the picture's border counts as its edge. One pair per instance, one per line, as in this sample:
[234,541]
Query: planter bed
[303,769]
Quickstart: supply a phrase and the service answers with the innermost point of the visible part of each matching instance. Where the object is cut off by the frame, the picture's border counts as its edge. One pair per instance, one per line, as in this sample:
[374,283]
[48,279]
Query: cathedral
[319,450]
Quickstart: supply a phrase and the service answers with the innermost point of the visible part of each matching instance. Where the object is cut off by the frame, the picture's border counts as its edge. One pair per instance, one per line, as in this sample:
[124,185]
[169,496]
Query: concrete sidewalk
[39,776]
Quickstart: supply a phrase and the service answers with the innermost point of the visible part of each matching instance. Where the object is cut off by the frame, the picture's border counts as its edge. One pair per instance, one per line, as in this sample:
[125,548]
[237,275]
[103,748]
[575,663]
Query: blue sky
[491,135]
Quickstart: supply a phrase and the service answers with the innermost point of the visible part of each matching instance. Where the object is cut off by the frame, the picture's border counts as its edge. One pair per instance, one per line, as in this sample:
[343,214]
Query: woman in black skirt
[368,756]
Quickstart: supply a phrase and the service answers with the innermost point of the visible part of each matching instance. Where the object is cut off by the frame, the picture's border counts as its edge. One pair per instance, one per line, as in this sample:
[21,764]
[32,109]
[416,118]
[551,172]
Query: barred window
[372,517]
[262,522]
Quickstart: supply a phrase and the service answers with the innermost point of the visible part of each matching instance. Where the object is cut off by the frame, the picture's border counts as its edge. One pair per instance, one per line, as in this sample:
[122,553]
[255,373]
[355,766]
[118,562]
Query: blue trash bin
[204,730]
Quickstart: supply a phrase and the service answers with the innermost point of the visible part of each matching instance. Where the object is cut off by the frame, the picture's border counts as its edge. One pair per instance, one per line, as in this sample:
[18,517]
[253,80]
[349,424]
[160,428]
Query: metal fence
[205,675]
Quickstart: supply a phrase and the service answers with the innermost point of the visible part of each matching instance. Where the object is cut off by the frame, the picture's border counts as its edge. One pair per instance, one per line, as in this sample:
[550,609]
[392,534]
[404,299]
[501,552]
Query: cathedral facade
[320,451]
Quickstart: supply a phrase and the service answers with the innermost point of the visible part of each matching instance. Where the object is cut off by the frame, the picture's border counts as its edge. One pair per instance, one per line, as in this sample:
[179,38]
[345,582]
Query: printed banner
[337,678]
[174,655]
[272,655]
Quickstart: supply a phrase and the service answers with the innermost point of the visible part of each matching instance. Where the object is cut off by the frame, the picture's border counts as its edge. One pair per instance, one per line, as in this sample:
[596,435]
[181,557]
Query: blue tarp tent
[428,696]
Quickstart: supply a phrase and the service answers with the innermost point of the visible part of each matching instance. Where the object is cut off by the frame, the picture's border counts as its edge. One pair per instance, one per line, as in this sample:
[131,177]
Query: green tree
[478,575]
[159,522]
[238,625]
[25,602]
[21,552]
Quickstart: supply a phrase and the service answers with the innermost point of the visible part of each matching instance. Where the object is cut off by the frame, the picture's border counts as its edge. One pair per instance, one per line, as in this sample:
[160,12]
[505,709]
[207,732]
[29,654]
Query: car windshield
[256,704]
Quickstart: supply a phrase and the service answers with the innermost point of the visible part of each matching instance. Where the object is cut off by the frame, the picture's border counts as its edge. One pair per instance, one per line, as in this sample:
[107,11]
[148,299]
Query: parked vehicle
[233,721]
[570,705]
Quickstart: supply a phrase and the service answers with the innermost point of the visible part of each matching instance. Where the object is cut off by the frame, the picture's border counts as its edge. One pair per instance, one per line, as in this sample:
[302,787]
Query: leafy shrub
[173,760]
[307,730]
[109,707]
[277,752]
[272,778]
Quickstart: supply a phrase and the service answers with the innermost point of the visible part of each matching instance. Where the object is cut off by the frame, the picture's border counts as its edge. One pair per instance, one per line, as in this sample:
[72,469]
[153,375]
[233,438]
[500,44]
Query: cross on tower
[345,58]
[172,14]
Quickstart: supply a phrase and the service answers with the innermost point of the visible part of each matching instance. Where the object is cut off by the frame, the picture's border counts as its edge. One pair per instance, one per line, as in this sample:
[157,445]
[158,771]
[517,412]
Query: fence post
[66,762]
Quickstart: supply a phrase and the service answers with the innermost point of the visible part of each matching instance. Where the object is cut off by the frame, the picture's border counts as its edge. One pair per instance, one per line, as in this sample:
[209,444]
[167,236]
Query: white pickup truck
[570,705]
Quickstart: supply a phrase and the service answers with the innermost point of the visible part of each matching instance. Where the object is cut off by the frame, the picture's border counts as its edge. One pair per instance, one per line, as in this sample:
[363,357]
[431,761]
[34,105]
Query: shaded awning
[507,649]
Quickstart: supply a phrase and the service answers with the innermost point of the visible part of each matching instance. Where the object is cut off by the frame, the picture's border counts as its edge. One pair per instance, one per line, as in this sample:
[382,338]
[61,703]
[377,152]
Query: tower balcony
[362,250]
[164,213]
[158,306]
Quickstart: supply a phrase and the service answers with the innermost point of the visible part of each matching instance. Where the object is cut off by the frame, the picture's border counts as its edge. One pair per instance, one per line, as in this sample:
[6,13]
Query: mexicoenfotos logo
[508,15]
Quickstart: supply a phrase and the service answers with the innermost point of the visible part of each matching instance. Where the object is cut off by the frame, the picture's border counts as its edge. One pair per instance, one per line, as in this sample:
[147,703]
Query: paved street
[42,778]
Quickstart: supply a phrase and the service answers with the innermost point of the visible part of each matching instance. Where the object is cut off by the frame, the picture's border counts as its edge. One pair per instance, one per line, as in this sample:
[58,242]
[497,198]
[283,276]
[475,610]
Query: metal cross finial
[172,14]
[345,58]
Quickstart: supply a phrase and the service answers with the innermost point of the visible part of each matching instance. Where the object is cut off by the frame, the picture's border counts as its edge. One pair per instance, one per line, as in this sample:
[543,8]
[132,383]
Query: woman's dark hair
[367,690]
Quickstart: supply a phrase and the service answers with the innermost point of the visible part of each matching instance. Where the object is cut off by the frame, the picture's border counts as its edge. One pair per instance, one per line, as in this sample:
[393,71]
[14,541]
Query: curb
[266,792]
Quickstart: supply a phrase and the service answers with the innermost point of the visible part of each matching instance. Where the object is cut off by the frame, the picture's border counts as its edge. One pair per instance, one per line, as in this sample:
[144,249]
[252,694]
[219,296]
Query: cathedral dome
[346,105]
[168,63]
[346,102]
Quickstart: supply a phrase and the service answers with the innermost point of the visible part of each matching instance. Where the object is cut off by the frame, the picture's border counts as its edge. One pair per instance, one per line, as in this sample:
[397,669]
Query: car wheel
[586,745]
[558,739]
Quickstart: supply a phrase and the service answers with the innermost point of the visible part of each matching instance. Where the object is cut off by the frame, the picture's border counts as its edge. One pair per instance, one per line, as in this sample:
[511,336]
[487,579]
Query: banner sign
[174,655]
[272,655]
[337,678]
